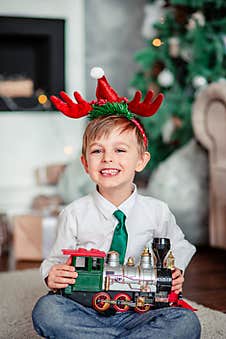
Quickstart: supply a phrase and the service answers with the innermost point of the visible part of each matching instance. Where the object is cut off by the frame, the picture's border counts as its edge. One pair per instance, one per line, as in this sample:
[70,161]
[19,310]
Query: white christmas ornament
[174,47]
[199,17]
[196,18]
[199,81]
[165,78]
[186,54]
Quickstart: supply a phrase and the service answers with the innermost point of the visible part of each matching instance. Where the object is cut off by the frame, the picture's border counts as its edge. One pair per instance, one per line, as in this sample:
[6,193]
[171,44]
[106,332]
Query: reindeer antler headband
[108,103]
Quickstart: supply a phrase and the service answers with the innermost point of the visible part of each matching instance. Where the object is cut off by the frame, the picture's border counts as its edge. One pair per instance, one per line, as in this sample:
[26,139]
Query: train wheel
[142,309]
[121,297]
[99,301]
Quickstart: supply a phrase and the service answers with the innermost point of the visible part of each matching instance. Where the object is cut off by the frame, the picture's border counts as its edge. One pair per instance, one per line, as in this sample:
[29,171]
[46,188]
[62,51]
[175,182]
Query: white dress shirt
[89,222]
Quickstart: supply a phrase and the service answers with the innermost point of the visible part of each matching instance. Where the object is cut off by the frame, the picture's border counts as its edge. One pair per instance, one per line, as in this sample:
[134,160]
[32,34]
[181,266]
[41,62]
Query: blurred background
[177,47]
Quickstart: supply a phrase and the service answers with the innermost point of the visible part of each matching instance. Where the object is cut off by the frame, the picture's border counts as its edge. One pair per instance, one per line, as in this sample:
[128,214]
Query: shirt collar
[107,208]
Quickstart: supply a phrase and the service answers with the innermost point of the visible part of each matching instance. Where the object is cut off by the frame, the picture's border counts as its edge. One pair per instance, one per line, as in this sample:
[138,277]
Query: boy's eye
[120,150]
[96,151]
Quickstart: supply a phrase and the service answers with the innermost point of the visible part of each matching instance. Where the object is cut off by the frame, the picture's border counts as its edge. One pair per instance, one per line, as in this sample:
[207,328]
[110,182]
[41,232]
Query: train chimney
[161,247]
[145,259]
[113,259]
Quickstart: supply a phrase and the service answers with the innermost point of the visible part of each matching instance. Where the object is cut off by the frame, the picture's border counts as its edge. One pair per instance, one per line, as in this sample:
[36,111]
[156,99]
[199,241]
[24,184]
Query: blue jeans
[55,316]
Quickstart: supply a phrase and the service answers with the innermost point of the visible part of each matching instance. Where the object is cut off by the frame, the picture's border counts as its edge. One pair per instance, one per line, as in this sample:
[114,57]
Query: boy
[114,149]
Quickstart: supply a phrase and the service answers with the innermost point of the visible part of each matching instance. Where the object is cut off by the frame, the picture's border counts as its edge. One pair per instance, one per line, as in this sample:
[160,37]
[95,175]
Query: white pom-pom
[97,72]
[165,78]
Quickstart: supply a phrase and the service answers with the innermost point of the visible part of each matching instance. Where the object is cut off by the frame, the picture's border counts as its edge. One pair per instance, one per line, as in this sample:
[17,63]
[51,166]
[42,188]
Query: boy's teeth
[110,171]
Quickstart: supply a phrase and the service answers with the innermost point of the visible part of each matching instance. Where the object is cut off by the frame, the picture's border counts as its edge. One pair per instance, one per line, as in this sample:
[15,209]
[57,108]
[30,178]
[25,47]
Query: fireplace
[31,62]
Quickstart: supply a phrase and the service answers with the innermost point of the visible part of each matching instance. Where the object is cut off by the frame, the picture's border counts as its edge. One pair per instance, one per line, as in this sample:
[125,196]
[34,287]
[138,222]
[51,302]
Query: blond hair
[103,126]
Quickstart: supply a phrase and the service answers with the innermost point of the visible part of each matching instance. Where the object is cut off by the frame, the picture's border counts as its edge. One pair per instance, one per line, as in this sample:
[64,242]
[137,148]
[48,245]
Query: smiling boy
[114,149]
[113,155]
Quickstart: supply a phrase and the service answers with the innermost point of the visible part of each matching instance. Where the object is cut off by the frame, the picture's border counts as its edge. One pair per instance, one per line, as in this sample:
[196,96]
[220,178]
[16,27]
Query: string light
[42,99]
[68,150]
[157,42]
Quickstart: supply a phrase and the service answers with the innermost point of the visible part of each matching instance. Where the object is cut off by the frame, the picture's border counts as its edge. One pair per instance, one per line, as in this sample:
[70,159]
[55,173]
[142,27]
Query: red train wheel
[142,309]
[99,301]
[121,297]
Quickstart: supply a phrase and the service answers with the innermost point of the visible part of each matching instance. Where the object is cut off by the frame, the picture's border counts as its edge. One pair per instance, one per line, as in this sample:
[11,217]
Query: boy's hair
[103,125]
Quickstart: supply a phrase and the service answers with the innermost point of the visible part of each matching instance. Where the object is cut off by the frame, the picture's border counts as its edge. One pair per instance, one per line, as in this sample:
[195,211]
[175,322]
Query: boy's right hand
[61,275]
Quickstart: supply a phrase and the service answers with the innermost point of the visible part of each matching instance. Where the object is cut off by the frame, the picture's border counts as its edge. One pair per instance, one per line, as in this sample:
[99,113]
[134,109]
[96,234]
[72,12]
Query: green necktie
[120,236]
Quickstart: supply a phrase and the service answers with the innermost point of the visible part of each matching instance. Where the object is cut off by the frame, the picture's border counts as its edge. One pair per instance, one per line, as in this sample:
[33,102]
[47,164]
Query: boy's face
[111,161]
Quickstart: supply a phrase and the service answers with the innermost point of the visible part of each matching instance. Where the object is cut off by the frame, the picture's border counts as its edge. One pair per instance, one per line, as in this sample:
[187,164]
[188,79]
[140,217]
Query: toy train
[108,286]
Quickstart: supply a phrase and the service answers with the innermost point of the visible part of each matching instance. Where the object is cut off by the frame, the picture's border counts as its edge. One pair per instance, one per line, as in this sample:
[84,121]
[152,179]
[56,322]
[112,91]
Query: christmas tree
[186,50]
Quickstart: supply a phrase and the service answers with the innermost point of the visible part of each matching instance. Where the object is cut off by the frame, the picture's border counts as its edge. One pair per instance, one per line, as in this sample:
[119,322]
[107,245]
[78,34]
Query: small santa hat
[103,89]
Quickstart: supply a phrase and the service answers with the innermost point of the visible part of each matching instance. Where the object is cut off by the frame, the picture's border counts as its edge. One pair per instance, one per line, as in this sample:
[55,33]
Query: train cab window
[96,265]
[81,263]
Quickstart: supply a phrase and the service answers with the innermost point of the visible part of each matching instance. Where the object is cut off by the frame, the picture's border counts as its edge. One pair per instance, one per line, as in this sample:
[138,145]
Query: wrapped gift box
[33,236]
[49,175]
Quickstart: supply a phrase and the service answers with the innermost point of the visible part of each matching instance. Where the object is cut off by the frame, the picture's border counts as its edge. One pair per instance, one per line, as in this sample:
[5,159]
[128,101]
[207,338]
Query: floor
[205,277]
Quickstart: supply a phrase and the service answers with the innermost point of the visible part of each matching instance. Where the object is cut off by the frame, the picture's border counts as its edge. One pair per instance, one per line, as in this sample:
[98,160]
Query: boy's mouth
[109,171]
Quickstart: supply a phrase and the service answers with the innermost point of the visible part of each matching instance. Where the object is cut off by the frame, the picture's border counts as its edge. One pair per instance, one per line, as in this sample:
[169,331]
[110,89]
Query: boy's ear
[84,162]
[142,162]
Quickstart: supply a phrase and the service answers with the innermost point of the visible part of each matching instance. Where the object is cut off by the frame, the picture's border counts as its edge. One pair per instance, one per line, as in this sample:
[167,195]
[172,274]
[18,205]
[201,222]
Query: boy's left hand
[178,279]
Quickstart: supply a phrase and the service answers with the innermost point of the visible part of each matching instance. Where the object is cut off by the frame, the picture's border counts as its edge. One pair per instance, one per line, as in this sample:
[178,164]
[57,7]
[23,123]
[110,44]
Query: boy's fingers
[64,267]
[60,281]
[179,280]
[175,287]
[176,273]
[63,280]
[177,291]
[61,275]
[69,260]
[64,273]
[59,286]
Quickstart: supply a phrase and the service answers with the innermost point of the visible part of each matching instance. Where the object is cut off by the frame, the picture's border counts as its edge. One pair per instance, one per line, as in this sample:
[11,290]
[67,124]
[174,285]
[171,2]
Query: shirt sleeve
[66,238]
[181,248]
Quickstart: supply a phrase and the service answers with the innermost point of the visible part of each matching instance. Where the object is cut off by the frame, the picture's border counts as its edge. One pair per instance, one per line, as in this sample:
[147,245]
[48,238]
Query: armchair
[209,123]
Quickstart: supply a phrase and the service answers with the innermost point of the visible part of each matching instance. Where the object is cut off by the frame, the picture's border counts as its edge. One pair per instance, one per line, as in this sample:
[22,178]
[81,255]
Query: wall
[28,140]
[113,35]
[102,33]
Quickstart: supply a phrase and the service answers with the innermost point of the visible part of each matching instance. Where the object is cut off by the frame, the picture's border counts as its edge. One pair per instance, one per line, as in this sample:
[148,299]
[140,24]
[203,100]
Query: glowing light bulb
[157,42]
[68,150]
[42,99]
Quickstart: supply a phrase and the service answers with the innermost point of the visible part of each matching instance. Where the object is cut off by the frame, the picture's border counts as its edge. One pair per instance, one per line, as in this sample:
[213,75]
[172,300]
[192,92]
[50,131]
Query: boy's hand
[61,275]
[178,279]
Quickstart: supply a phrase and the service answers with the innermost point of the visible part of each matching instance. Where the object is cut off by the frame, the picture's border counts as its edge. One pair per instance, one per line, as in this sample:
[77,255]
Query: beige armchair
[209,123]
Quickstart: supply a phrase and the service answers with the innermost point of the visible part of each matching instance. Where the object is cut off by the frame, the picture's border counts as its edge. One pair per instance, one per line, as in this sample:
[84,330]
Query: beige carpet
[20,289]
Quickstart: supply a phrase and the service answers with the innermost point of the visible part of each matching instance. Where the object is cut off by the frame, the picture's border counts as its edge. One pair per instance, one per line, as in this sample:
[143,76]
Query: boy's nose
[107,157]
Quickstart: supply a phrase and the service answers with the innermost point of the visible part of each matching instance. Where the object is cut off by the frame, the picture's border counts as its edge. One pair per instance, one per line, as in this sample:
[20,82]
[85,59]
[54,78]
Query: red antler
[147,107]
[70,108]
